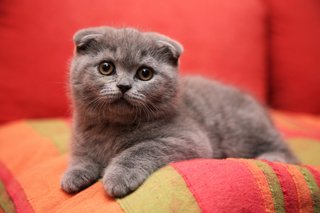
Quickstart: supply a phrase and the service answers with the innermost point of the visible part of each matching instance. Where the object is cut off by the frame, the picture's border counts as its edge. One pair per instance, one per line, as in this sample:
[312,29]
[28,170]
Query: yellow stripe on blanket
[163,191]
[57,130]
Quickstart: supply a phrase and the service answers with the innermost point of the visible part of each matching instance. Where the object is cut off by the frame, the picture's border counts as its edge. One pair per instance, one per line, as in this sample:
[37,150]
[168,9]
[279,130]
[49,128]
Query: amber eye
[106,68]
[145,73]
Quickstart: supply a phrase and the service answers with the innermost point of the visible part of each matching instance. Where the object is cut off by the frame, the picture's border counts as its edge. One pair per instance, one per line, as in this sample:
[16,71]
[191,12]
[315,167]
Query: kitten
[133,114]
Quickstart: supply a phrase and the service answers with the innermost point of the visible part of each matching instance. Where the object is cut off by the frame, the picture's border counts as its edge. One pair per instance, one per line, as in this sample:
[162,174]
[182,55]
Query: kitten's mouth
[121,107]
[122,102]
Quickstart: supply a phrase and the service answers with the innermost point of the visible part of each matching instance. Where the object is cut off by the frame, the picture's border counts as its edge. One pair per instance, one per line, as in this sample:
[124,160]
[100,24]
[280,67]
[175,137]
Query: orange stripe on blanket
[305,202]
[26,147]
[307,120]
[262,183]
[92,199]
[41,185]
[292,125]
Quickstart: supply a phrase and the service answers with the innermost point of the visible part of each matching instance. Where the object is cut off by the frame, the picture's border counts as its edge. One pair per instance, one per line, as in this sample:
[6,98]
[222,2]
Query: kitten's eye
[106,68]
[145,73]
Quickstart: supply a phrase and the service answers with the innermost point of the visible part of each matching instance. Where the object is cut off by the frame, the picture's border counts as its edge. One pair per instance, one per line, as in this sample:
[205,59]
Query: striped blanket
[34,155]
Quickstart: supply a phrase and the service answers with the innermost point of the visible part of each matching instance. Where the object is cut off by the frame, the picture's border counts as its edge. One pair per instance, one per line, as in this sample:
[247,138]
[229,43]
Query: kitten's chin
[121,107]
[122,113]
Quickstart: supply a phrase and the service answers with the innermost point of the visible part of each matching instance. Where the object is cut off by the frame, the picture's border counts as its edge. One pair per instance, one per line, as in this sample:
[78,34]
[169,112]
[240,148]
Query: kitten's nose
[123,87]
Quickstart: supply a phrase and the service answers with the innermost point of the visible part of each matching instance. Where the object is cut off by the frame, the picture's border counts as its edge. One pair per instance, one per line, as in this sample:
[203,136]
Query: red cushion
[295,54]
[223,39]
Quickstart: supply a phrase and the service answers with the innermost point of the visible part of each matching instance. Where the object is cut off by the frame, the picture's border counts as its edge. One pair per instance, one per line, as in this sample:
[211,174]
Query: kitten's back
[209,98]
[235,122]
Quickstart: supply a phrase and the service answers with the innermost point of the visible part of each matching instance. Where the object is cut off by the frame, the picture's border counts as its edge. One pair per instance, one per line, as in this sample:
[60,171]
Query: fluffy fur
[125,136]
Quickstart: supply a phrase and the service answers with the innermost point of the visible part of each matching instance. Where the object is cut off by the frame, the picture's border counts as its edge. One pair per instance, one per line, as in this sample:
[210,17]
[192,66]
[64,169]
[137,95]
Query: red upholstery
[220,37]
[226,40]
[295,55]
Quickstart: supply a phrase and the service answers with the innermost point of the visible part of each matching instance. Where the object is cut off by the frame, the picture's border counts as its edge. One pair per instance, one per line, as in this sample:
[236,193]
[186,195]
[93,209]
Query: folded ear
[87,39]
[167,46]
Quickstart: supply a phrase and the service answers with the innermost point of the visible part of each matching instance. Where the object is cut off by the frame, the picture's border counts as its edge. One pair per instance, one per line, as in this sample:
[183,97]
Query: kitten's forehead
[127,45]
[125,37]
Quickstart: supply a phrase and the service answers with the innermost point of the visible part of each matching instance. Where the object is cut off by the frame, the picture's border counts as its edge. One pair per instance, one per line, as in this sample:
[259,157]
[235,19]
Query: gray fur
[126,137]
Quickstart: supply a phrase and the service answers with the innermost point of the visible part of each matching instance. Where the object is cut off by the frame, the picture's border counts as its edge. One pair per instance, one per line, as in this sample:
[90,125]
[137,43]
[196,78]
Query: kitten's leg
[278,156]
[80,174]
[127,171]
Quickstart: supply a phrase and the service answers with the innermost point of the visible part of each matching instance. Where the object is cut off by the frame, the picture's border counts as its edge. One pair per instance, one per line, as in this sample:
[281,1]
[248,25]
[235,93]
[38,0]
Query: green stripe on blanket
[313,187]
[164,191]
[274,186]
[57,130]
[6,203]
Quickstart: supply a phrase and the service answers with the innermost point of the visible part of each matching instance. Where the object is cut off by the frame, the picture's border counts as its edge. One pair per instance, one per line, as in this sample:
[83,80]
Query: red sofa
[269,48]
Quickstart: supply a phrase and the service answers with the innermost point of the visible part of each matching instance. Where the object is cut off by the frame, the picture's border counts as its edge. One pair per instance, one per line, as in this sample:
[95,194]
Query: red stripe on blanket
[288,187]
[289,134]
[212,183]
[14,190]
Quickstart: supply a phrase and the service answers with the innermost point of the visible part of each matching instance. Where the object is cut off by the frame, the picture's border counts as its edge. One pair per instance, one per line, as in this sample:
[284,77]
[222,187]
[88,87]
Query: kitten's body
[127,136]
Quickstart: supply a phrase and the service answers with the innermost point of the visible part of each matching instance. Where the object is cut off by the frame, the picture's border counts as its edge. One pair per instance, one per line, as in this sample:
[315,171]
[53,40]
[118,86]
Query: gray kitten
[133,114]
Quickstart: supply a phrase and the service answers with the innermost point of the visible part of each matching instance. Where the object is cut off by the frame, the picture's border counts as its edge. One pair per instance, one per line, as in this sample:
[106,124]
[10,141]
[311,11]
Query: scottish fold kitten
[133,114]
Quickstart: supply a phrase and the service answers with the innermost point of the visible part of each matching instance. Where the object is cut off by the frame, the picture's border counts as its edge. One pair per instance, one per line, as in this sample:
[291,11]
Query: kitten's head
[124,74]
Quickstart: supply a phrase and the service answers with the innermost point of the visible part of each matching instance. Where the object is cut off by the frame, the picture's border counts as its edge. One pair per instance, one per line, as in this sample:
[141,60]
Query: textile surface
[34,155]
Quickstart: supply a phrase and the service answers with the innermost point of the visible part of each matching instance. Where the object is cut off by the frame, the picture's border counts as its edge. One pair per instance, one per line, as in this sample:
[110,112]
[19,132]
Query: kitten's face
[124,73]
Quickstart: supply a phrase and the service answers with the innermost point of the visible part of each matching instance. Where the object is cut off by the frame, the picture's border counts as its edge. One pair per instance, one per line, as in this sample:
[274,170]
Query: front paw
[75,180]
[119,182]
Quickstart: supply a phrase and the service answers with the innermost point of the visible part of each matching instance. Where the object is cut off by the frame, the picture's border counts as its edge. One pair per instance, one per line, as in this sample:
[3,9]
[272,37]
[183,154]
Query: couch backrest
[223,39]
[294,54]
